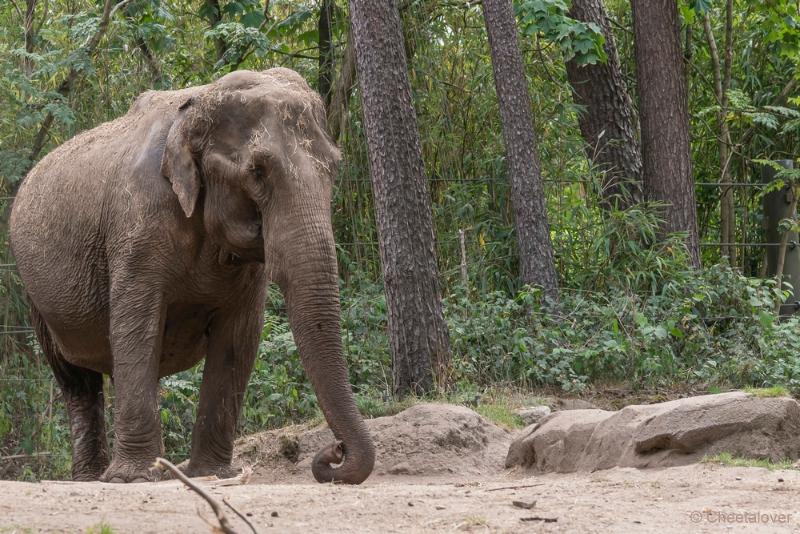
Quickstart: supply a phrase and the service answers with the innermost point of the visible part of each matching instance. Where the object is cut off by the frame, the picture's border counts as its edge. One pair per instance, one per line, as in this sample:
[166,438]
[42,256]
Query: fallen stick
[241,516]
[224,525]
[515,487]
[20,456]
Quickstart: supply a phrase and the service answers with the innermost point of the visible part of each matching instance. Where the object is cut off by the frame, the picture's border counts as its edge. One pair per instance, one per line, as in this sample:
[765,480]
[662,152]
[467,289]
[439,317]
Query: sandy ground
[697,498]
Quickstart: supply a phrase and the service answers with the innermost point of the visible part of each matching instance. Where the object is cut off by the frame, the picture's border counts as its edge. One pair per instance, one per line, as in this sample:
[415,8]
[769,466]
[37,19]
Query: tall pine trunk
[663,102]
[417,330]
[609,125]
[537,266]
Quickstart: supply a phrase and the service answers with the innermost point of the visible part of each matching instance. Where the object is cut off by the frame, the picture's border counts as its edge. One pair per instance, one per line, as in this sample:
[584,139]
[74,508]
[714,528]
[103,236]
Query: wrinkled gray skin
[146,244]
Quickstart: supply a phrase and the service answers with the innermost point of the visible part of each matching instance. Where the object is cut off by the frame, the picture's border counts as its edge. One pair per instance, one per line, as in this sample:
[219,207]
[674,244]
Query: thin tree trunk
[325,51]
[417,329]
[30,35]
[609,125]
[153,64]
[722,77]
[664,117]
[219,43]
[342,89]
[537,266]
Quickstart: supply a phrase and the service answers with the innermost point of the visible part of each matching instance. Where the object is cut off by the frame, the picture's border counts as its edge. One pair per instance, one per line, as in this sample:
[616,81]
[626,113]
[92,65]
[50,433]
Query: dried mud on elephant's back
[426,439]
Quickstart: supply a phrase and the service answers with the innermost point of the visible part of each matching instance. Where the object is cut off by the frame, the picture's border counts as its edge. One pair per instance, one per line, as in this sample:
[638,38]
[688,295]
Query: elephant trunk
[310,286]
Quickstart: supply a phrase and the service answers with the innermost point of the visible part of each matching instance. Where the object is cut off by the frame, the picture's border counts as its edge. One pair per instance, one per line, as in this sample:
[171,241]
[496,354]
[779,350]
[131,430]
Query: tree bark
[325,51]
[537,266]
[664,117]
[417,330]
[609,125]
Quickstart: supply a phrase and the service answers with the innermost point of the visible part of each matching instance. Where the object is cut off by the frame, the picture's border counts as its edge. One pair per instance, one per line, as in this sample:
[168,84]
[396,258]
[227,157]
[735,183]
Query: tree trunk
[219,43]
[666,157]
[537,266]
[609,125]
[418,332]
[30,35]
[722,81]
[325,51]
[342,89]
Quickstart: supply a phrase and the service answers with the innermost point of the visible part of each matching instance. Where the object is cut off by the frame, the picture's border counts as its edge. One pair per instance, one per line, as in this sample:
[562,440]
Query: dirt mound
[426,439]
[661,435]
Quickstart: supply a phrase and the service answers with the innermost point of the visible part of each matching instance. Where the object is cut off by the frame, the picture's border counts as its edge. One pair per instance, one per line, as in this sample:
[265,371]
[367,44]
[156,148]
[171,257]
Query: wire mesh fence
[560,192]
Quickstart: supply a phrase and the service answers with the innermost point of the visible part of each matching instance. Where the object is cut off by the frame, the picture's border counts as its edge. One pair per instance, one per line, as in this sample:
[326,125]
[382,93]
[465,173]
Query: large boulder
[659,435]
[425,439]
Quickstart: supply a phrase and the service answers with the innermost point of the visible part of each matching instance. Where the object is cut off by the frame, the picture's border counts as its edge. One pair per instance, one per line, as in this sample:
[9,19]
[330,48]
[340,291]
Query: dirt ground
[696,498]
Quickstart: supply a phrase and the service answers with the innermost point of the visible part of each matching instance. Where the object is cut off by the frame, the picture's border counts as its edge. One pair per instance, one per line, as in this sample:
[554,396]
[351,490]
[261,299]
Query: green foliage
[774,391]
[728,459]
[100,528]
[33,423]
[501,414]
[578,40]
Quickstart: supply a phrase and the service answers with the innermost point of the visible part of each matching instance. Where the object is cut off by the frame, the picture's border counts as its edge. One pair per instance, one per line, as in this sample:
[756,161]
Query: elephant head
[250,155]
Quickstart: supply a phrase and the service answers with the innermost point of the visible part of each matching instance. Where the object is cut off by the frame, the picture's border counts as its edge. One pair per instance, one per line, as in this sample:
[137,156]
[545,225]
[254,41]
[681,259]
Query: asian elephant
[146,244]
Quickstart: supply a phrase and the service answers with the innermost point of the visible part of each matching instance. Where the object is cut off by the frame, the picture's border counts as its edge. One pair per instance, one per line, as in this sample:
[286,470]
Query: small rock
[410,503]
[780,480]
[738,478]
[440,507]
[533,414]
[524,505]
[274,514]
[537,518]
[401,468]
[249,514]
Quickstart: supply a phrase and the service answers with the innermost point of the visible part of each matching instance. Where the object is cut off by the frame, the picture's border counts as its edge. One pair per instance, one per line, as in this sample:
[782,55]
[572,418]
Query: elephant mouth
[235,256]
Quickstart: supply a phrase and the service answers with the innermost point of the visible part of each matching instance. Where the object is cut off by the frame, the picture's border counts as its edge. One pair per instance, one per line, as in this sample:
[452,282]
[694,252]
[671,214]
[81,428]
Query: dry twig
[224,524]
[515,487]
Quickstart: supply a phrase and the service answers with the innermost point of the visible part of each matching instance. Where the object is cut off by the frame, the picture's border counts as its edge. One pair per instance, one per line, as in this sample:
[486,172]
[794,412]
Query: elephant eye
[259,172]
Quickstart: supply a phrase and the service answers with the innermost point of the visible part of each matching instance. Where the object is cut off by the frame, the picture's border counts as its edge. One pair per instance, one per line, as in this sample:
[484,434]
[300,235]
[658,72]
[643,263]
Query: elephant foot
[87,476]
[202,470]
[123,473]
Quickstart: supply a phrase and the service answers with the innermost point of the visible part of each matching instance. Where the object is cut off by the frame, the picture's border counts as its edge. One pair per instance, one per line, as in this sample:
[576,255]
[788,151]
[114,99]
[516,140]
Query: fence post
[777,206]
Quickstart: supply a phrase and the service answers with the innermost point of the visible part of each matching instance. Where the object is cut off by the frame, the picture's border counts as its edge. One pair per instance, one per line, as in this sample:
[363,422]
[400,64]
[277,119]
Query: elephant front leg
[137,324]
[232,347]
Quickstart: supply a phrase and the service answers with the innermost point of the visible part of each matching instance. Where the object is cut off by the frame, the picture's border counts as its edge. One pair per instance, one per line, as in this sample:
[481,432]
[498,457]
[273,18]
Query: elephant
[147,244]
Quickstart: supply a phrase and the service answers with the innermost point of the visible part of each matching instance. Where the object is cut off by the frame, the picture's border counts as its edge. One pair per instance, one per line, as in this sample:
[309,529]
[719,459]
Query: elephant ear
[177,164]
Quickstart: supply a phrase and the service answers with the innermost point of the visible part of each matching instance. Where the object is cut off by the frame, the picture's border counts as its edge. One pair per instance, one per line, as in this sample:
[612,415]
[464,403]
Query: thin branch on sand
[224,524]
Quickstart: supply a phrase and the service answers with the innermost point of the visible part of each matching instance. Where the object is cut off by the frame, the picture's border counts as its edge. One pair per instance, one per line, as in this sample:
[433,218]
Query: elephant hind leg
[83,395]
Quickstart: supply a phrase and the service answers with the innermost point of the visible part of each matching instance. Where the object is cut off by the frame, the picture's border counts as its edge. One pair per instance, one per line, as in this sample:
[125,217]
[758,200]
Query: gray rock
[559,404]
[660,435]
[533,414]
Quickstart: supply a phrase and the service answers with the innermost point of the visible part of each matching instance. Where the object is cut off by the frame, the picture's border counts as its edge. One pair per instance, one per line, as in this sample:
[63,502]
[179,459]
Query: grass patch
[100,528]
[501,414]
[774,391]
[473,521]
[727,459]
[371,407]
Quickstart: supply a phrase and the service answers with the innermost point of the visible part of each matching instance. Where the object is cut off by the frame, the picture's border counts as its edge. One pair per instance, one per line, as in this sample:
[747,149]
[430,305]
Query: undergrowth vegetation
[636,314]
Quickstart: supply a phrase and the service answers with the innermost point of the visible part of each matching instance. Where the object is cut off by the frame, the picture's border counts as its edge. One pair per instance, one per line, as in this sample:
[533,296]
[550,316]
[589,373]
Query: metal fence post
[776,208]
